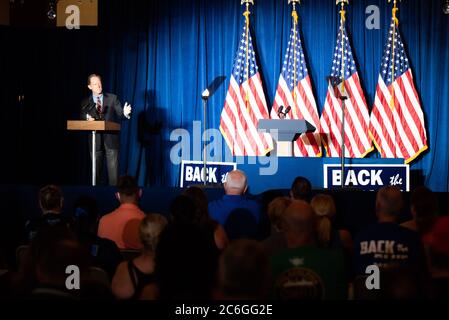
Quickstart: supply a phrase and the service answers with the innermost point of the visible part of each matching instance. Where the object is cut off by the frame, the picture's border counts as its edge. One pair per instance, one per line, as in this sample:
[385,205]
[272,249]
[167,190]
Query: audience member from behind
[135,279]
[202,217]
[276,241]
[50,201]
[185,263]
[385,243]
[437,248]
[328,236]
[235,202]
[184,212]
[301,189]
[304,270]
[243,272]
[112,225]
[276,210]
[424,209]
[104,252]
[42,274]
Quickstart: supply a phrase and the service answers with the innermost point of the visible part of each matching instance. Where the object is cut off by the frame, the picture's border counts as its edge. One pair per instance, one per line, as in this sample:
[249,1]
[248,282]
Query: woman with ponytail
[328,237]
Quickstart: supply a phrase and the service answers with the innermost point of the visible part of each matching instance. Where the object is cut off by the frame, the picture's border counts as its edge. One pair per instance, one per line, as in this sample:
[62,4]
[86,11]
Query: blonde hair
[149,230]
[275,210]
[324,207]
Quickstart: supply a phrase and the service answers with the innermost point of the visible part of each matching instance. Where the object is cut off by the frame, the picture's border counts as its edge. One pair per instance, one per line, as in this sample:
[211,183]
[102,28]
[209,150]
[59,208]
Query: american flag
[397,121]
[245,104]
[295,90]
[357,140]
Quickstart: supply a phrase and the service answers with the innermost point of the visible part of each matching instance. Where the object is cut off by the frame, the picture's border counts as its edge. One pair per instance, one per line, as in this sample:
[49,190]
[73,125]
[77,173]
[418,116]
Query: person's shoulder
[86,101]
[105,242]
[252,202]
[109,95]
[86,98]
[107,217]
[215,203]
[408,233]
[366,232]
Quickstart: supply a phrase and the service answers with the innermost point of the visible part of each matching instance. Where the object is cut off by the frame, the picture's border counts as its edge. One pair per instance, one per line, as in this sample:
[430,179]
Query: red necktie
[99,107]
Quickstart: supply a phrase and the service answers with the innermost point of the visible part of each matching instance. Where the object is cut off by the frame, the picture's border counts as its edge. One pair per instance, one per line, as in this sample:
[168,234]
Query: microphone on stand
[283,113]
[280,111]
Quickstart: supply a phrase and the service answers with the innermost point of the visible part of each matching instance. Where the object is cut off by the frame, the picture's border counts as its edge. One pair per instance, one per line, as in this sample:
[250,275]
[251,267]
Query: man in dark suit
[104,106]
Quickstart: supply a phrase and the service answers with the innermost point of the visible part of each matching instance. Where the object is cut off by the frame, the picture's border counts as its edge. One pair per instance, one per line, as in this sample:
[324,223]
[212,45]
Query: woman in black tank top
[139,279]
[134,279]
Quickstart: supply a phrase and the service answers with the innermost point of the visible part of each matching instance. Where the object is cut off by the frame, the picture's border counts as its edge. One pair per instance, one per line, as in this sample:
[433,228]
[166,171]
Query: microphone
[287,110]
[280,111]
[205,94]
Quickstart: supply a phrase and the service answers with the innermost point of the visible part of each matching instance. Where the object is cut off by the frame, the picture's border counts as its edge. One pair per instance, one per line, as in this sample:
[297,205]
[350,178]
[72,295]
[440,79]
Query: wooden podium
[285,132]
[93,126]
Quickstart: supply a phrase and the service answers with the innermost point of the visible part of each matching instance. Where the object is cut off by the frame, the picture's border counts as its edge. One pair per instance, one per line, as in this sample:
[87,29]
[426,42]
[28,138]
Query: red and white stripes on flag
[397,121]
[357,141]
[295,90]
[245,104]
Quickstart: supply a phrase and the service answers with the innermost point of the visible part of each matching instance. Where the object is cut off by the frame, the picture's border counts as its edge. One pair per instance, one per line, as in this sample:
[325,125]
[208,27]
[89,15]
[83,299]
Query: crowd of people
[230,248]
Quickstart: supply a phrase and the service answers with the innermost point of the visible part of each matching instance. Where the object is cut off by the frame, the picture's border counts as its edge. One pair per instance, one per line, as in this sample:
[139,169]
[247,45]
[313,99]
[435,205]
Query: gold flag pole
[342,95]
[342,22]
[295,37]
[393,53]
[246,15]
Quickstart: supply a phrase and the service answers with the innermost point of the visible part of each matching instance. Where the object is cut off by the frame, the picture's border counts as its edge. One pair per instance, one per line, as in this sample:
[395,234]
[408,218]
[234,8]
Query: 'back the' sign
[192,172]
[367,177]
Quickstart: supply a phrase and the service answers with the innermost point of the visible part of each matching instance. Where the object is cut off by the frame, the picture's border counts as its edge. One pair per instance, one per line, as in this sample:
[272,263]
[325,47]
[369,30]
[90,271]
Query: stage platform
[287,168]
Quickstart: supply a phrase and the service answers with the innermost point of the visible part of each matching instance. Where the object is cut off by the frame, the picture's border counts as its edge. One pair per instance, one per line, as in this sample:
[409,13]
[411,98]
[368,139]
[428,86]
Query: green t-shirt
[309,273]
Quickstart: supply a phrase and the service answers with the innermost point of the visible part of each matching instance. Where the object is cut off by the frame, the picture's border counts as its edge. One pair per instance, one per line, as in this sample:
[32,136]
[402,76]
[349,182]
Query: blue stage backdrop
[160,55]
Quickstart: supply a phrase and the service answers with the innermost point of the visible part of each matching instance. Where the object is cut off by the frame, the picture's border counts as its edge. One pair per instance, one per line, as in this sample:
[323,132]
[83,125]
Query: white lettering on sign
[196,174]
[363,178]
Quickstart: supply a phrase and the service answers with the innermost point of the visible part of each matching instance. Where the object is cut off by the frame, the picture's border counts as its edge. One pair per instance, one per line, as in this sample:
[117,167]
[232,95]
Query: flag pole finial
[247,3]
[294,13]
[394,11]
[342,11]
[247,12]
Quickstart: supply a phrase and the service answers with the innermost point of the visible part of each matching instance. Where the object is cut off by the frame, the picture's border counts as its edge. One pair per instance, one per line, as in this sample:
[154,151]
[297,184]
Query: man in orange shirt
[112,225]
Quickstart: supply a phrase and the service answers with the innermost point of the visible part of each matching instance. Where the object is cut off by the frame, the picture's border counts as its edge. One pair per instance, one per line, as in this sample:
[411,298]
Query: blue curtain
[160,55]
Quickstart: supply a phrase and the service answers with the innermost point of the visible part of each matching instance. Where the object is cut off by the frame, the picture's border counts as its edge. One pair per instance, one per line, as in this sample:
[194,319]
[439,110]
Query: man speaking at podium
[104,106]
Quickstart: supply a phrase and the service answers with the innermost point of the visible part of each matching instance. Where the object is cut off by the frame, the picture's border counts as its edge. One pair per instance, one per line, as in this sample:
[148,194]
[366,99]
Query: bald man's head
[299,218]
[236,183]
[389,201]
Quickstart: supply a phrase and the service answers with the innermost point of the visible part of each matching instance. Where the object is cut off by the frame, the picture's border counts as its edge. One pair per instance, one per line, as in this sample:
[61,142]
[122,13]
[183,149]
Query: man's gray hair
[236,180]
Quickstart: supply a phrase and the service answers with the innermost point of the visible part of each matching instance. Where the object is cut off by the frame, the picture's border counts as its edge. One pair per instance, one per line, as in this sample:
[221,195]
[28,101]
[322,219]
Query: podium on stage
[93,126]
[285,132]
